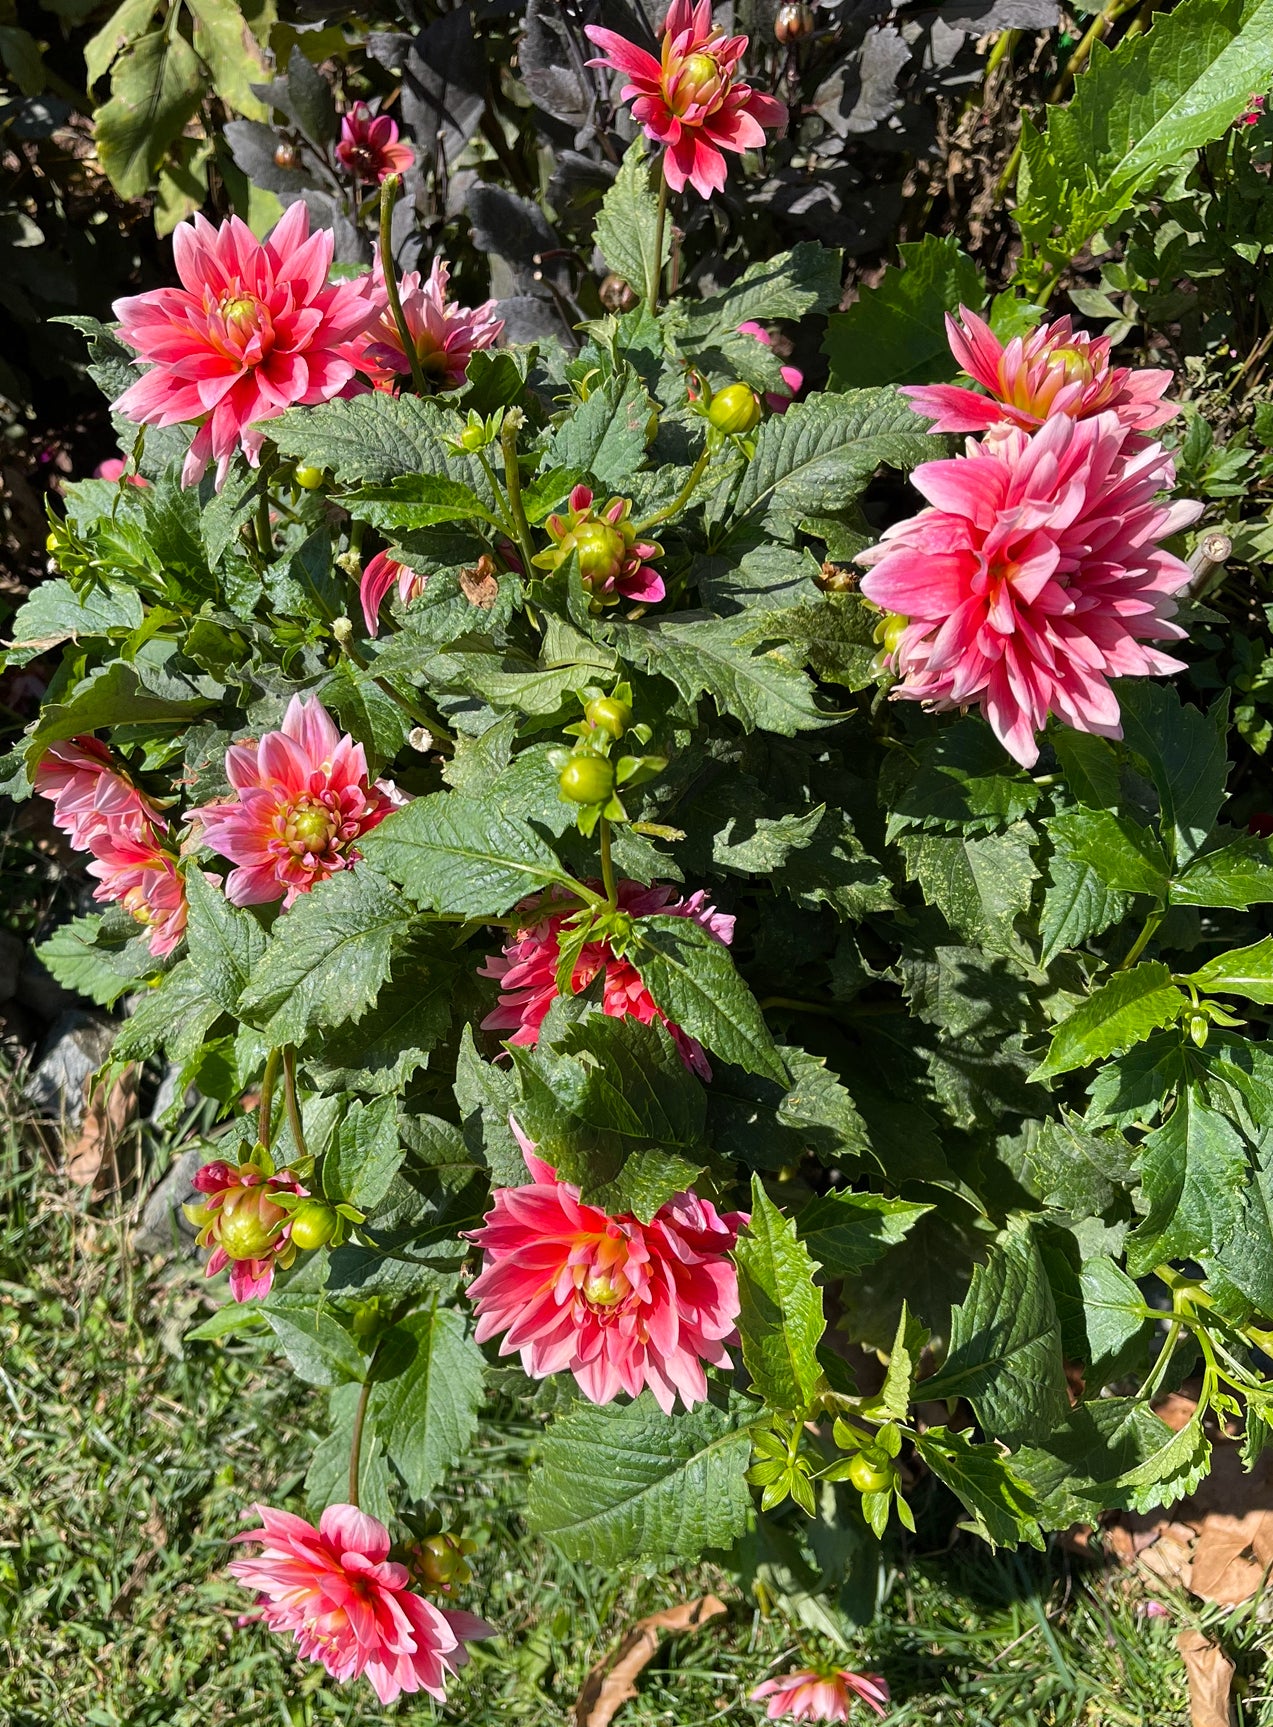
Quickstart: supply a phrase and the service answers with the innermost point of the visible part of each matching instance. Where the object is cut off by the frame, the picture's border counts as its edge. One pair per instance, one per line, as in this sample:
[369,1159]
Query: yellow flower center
[137,906]
[239,309]
[699,81]
[310,827]
[1075,363]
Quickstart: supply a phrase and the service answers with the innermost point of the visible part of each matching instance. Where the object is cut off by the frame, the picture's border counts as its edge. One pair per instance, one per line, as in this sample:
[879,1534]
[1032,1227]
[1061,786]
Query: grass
[127,1462]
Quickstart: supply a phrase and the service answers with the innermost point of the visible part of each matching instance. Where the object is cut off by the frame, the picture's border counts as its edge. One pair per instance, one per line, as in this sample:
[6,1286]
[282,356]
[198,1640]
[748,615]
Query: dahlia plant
[711,923]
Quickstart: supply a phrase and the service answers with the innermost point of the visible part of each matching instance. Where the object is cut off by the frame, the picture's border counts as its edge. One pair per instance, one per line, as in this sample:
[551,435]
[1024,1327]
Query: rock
[77,1045]
[164,1228]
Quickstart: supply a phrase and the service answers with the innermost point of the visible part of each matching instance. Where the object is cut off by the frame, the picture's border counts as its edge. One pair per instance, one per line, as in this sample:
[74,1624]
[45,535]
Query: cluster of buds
[590,775]
[871,1466]
[614,558]
[254,1219]
[439,1561]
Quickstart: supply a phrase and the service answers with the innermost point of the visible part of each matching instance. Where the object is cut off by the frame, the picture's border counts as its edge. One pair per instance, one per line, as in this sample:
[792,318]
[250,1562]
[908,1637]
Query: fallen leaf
[1227,1564]
[478,585]
[1210,1680]
[105,1120]
[613,1681]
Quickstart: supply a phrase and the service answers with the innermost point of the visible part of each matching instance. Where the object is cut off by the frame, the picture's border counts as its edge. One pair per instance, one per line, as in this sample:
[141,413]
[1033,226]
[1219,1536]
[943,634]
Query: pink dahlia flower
[1052,370]
[527,968]
[445,336]
[381,573]
[369,148]
[1254,112]
[254,328]
[689,99]
[349,1606]
[240,1222]
[617,1303]
[612,557]
[303,799]
[1035,577]
[135,871]
[810,1696]
[91,793]
[792,376]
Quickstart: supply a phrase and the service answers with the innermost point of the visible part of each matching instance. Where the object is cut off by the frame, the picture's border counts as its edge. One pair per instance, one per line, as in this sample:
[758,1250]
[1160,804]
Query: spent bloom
[91,792]
[349,1606]
[303,798]
[369,148]
[690,99]
[619,1304]
[134,870]
[445,336]
[527,968]
[378,577]
[612,557]
[1051,370]
[811,1696]
[1035,576]
[240,1222]
[254,328]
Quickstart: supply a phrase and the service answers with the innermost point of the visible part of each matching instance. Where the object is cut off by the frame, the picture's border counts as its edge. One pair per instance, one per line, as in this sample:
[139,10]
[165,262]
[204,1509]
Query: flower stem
[679,501]
[388,198]
[360,1417]
[654,266]
[1142,941]
[264,537]
[444,740]
[513,480]
[289,1099]
[607,866]
[267,1097]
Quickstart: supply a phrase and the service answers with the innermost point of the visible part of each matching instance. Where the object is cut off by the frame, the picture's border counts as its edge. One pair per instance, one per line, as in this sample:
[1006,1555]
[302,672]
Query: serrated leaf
[1090,765]
[692,978]
[226,941]
[1005,1345]
[628,222]
[327,1479]
[1078,1171]
[1125,856]
[895,332]
[365,1155]
[1120,1013]
[56,613]
[605,436]
[1113,1317]
[847,1231]
[229,50]
[1234,878]
[1194,1169]
[789,285]
[1183,748]
[113,695]
[981,886]
[80,959]
[373,438]
[413,501]
[156,86]
[319,1348]
[781,1321]
[427,1413]
[457,854]
[328,956]
[625,1481]
[396,1035]
[1244,971]
[1001,1505]
[1076,906]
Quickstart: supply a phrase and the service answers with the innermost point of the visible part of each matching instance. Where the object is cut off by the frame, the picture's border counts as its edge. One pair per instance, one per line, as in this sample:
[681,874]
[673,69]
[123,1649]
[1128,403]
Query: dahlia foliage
[615,1023]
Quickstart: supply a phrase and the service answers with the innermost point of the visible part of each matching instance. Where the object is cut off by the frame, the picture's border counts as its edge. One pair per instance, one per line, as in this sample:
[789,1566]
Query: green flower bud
[734,409]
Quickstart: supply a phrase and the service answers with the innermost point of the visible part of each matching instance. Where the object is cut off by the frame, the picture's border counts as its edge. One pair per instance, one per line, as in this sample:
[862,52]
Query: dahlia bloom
[135,871]
[612,560]
[1035,577]
[303,799]
[445,336]
[90,792]
[254,328]
[689,99]
[348,1605]
[619,1304]
[527,968]
[810,1696]
[381,573]
[239,1221]
[1051,370]
[792,376]
[369,148]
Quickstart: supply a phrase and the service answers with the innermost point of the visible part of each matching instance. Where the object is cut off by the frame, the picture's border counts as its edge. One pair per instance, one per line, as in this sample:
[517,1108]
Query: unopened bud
[616,295]
[793,23]
[286,155]
[342,630]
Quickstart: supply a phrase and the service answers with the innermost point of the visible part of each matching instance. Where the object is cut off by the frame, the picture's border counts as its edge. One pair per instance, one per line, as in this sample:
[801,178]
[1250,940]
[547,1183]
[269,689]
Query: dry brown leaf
[613,1681]
[479,585]
[105,1120]
[1210,1680]
[1226,1563]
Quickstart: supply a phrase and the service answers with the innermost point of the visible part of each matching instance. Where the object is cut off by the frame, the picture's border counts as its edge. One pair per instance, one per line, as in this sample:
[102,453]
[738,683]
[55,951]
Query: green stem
[388,198]
[607,866]
[289,1100]
[513,480]
[506,526]
[422,717]
[360,1418]
[267,1097]
[1142,941]
[264,537]
[680,500]
[654,272]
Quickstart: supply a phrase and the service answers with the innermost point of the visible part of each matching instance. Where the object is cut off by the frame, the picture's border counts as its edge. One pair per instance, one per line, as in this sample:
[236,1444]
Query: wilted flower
[445,336]
[254,329]
[136,871]
[792,376]
[1052,370]
[1035,577]
[240,1222]
[91,792]
[689,99]
[619,1304]
[303,799]
[369,146]
[527,968]
[810,1696]
[612,562]
[349,1606]
[378,577]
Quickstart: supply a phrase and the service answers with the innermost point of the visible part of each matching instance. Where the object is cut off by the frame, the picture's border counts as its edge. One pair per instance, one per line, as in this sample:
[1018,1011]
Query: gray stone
[164,1227]
[77,1045]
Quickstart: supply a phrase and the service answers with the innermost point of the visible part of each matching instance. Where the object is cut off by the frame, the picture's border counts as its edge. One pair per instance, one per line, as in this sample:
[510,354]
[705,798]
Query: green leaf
[56,613]
[459,855]
[396,1036]
[156,86]
[427,1413]
[1120,1013]
[1126,857]
[1245,971]
[789,285]
[328,956]
[319,1348]
[1000,1504]
[847,1231]
[124,25]
[957,779]
[1183,748]
[717,657]
[1090,1459]
[113,695]
[781,1322]
[1171,1471]
[895,333]
[82,958]
[415,501]
[625,1481]
[1078,1171]
[1005,1345]
[365,1155]
[1194,1169]
[229,50]
[1076,906]
[1113,1317]
[1235,877]
[692,978]
[628,222]
[226,941]
[327,1479]
[373,438]
[1090,765]
[177,1016]
[981,886]
[606,436]
[894,1397]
